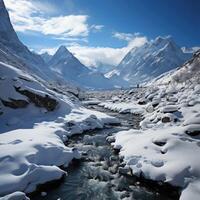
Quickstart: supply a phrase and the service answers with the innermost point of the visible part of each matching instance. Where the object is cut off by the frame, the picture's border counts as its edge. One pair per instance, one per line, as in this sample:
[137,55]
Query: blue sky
[104,29]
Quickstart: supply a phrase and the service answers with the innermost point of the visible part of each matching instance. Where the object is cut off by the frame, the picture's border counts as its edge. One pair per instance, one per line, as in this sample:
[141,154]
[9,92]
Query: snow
[166,147]
[33,135]
[169,109]
[152,59]
[46,57]
[31,151]
[15,196]
[28,160]
[63,67]
[69,68]
[36,116]
[91,102]
[190,49]
[32,156]
[123,107]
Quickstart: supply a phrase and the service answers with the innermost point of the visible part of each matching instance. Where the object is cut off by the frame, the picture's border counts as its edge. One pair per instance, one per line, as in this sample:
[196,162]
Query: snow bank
[91,102]
[30,157]
[15,196]
[123,107]
[167,146]
[32,136]
[154,153]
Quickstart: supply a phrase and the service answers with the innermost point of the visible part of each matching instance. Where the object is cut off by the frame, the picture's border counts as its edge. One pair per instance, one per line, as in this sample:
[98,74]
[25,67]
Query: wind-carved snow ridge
[167,146]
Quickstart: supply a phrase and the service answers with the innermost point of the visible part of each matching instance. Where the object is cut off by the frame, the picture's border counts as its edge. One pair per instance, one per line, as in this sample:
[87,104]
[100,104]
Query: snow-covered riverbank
[35,123]
[166,148]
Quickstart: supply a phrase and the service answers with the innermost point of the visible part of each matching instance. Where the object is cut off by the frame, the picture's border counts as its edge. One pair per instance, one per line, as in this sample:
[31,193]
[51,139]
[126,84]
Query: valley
[100,174]
[76,126]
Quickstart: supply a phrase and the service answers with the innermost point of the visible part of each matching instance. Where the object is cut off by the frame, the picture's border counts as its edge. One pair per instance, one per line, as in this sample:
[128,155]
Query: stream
[96,176]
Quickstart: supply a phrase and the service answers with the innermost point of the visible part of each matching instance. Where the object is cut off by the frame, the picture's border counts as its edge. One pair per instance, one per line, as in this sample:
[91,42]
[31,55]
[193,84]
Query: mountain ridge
[154,58]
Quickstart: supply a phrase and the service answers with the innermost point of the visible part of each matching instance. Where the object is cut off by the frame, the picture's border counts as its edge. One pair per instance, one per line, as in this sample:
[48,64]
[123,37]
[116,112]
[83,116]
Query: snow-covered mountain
[66,65]
[46,57]
[69,68]
[149,61]
[62,68]
[102,68]
[36,118]
[12,51]
[188,72]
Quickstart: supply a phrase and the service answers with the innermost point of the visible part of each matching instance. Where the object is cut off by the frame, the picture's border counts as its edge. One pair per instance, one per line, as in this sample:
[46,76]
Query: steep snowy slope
[188,72]
[149,61]
[62,68]
[66,65]
[12,50]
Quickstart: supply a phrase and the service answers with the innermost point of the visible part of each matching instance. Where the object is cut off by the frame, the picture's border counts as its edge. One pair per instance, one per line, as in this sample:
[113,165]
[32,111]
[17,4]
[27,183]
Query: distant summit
[69,68]
[149,61]
[46,57]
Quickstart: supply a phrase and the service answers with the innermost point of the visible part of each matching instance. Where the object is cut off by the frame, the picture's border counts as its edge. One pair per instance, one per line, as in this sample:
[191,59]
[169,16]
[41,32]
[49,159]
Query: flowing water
[96,176]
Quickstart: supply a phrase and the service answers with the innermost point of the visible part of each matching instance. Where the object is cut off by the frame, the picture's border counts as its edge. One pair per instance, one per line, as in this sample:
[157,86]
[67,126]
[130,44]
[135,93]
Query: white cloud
[93,56]
[29,15]
[69,26]
[96,28]
[50,51]
[125,36]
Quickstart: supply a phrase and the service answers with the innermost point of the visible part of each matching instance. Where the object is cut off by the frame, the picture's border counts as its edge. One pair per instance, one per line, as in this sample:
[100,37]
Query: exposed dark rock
[40,101]
[125,171]
[70,124]
[116,151]
[163,151]
[159,143]
[124,195]
[142,102]
[154,104]
[25,79]
[193,133]
[15,103]
[166,119]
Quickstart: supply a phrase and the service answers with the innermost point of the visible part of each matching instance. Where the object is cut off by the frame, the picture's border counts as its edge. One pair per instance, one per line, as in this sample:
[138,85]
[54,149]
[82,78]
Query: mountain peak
[156,57]
[7,32]
[46,57]
[163,40]
[2,5]
[61,54]
[62,50]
